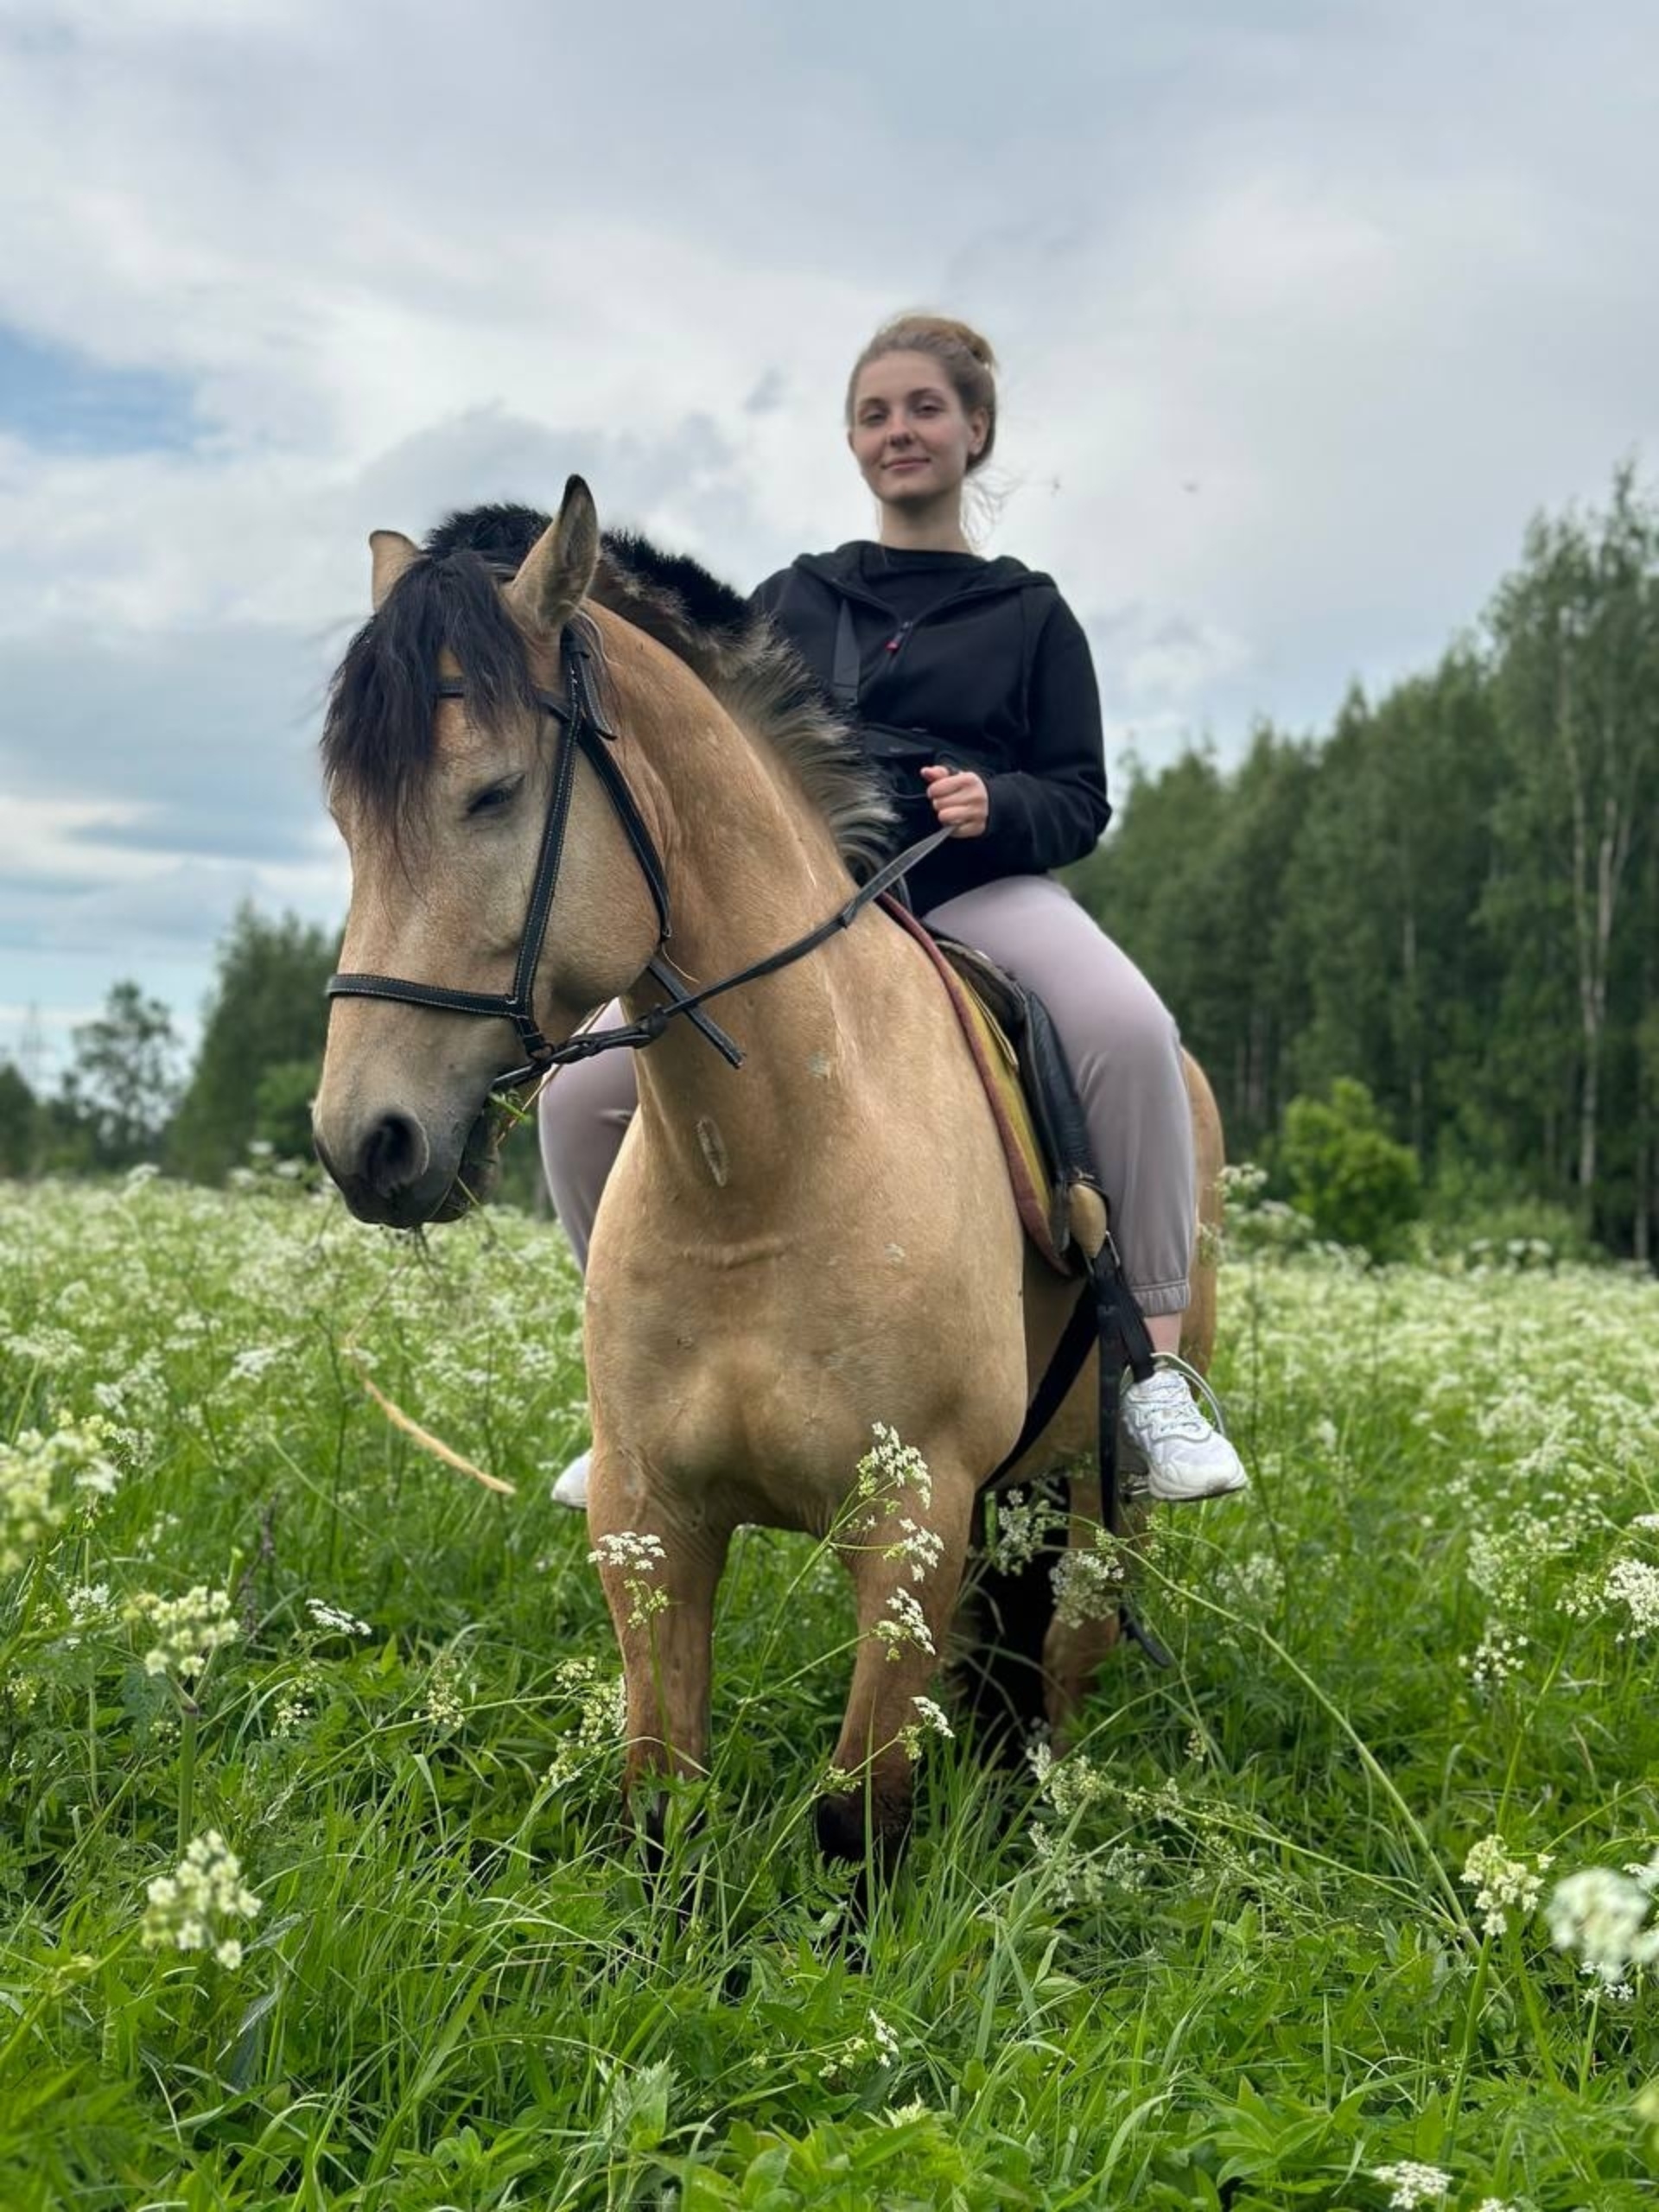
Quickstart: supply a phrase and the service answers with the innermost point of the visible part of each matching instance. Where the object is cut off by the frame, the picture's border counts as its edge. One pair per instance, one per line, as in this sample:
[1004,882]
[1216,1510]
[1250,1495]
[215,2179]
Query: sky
[1303,311]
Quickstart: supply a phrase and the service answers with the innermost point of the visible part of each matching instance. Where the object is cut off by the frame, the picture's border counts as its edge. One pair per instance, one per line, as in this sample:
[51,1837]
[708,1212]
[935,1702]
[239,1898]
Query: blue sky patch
[61,402]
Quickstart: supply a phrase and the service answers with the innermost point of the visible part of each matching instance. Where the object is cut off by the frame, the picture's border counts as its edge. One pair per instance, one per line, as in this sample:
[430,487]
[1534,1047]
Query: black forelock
[377,734]
[376,738]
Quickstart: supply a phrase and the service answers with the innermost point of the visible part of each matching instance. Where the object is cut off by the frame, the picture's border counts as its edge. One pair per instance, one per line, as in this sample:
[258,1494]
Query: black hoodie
[944,657]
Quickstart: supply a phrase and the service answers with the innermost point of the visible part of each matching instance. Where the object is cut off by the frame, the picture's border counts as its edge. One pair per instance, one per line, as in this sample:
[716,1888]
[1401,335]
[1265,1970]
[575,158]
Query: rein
[586,734]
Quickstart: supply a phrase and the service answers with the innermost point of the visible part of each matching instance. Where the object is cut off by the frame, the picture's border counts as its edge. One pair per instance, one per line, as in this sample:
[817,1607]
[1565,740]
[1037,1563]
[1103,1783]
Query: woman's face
[910,436]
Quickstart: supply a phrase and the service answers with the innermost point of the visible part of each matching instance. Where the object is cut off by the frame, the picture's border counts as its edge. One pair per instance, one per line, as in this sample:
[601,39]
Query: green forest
[1416,952]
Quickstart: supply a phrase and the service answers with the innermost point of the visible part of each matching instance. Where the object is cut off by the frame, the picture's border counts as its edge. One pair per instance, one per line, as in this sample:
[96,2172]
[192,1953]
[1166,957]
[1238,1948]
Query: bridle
[586,736]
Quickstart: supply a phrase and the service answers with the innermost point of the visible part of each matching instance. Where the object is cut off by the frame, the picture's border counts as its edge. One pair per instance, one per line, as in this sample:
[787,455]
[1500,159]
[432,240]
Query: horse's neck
[751,866]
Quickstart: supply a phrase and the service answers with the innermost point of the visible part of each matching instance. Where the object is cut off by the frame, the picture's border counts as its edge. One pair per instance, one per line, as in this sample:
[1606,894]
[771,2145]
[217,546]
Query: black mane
[377,737]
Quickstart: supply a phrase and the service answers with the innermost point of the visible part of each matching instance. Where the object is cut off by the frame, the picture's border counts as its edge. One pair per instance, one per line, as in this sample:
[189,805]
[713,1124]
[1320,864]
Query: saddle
[1033,1101]
[1038,1116]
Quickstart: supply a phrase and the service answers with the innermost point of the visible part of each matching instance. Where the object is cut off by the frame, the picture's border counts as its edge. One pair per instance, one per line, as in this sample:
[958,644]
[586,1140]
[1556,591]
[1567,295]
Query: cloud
[1302,313]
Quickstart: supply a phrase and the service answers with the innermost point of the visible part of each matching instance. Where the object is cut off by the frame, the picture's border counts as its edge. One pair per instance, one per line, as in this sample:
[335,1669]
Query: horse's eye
[495,796]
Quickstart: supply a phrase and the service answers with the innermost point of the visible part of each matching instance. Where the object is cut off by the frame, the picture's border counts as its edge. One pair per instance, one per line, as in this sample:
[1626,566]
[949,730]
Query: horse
[789,1252]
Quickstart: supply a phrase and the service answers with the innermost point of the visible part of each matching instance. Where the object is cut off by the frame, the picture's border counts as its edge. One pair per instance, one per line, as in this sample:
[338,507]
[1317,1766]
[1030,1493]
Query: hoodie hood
[842,569]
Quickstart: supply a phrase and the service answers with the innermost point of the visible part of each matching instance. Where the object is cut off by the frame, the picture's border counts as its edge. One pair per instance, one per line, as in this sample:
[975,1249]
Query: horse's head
[440,756]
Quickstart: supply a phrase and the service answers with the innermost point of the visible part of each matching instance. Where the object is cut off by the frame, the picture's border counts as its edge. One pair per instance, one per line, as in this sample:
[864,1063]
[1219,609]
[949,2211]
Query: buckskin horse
[570,766]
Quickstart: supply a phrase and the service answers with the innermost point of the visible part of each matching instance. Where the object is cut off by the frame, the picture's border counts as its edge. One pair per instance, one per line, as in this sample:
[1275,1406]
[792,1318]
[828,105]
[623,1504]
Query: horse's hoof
[854,1829]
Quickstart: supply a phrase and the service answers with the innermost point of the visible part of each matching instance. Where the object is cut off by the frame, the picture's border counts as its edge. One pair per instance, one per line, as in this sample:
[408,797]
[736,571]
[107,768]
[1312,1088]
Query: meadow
[313,1888]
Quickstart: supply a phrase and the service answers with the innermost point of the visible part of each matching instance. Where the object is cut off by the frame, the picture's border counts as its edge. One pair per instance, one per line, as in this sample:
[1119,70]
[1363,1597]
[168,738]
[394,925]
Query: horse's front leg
[903,1619]
[659,1577]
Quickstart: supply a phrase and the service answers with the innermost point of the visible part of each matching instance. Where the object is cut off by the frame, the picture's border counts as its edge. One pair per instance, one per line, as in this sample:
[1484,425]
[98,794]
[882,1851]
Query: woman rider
[972,684]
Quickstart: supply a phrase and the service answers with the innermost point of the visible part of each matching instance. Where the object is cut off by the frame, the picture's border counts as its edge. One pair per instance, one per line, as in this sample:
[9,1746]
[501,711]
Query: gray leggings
[1119,1037]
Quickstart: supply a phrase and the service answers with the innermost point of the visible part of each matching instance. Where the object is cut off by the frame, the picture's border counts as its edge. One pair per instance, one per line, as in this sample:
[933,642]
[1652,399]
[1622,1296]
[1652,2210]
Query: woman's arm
[1053,811]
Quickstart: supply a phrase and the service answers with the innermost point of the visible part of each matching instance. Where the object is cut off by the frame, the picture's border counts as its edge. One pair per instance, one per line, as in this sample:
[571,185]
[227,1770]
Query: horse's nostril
[394,1154]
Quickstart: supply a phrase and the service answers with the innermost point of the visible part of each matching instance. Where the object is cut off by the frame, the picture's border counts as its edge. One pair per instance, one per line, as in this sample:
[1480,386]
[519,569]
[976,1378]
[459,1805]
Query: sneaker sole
[1228,1487]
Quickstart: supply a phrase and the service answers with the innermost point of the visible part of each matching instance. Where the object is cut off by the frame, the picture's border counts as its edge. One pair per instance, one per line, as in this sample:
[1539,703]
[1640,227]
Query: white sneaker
[571,1487]
[1186,1457]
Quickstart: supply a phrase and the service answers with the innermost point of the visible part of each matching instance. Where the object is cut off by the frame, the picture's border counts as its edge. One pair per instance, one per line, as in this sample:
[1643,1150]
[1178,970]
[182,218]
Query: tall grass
[1225,1954]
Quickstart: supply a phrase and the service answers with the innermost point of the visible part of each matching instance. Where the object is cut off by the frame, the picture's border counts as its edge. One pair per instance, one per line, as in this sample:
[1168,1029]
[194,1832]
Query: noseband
[586,735]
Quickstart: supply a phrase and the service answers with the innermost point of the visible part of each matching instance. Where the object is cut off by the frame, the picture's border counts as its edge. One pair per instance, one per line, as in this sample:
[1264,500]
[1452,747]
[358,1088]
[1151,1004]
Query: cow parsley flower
[931,1720]
[32,1472]
[187,1630]
[332,1622]
[602,1717]
[892,1466]
[920,1547]
[1088,1586]
[909,1625]
[1634,1583]
[190,1909]
[1498,1656]
[1024,1526]
[1500,1882]
[1600,1915]
[1413,2183]
[638,1559]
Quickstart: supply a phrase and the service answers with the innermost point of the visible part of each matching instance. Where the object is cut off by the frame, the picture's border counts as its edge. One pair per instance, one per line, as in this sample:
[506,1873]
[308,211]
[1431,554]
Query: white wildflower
[1024,1526]
[1088,1586]
[638,1559]
[1253,1586]
[1500,1882]
[602,1717]
[892,1466]
[1069,1784]
[931,1720]
[187,1909]
[290,1712]
[332,1622]
[1634,1583]
[187,1630]
[448,1694]
[1599,1916]
[1412,2184]
[1498,1656]
[251,1363]
[625,1548]
[919,1546]
[32,1474]
[909,1625]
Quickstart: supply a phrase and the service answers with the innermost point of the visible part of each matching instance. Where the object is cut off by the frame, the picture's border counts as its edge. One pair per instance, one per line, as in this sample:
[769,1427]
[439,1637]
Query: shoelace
[1163,1407]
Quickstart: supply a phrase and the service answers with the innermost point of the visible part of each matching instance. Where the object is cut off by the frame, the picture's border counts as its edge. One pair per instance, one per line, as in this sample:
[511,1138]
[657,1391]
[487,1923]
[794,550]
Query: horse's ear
[392,553]
[559,566]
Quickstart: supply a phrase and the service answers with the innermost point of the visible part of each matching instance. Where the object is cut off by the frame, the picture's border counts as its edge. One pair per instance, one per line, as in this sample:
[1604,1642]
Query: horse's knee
[854,1825]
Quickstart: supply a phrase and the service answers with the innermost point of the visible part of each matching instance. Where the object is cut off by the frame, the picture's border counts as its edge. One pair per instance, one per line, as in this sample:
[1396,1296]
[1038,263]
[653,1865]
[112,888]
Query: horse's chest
[774,1375]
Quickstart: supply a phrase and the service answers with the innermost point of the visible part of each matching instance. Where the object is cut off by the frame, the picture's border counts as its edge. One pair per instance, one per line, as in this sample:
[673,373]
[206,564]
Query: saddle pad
[995,1057]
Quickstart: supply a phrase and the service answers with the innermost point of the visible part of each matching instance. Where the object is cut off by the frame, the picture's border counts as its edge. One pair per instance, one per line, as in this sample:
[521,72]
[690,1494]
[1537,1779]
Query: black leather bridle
[586,736]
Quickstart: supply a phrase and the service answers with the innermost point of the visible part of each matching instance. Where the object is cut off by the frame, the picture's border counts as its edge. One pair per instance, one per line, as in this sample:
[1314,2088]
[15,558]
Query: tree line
[1417,951]
[1451,899]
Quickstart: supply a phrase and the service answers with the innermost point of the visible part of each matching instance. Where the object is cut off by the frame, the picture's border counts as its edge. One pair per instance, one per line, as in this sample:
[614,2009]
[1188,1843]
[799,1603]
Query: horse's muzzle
[391,1174]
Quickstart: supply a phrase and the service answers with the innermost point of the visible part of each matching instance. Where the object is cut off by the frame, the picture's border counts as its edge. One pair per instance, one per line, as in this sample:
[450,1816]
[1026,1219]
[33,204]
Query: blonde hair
[965,357]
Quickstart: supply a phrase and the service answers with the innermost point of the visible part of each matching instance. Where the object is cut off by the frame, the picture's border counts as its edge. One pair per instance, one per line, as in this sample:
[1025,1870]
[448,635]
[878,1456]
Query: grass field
[1230,1953]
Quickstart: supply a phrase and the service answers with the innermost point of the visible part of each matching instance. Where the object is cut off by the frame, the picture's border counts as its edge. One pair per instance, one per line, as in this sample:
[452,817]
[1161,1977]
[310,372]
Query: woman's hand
[961,802]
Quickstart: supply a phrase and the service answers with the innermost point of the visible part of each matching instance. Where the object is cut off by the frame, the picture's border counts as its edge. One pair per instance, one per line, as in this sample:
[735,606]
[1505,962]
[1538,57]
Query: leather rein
[586,736]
